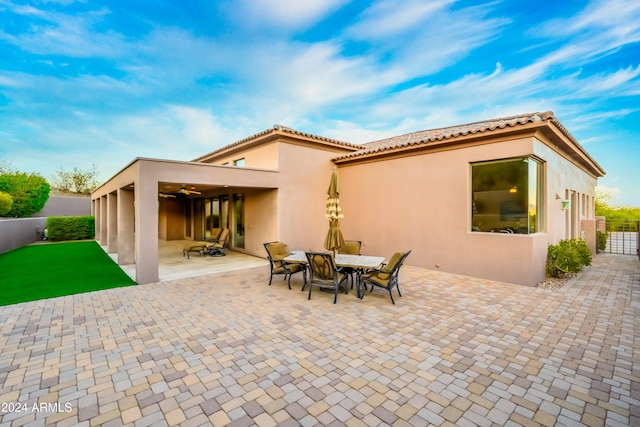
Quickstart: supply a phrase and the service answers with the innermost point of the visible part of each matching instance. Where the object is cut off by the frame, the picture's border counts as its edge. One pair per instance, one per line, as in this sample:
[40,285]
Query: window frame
[513,216]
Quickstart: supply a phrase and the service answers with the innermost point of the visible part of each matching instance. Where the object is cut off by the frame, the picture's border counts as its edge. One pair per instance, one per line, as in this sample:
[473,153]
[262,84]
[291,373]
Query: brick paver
[226,349]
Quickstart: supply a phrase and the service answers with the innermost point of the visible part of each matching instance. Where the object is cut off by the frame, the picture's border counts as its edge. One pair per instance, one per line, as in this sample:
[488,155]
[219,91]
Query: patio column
[126,241]
[112,223]
[146,234]
[103,221]
[96,214]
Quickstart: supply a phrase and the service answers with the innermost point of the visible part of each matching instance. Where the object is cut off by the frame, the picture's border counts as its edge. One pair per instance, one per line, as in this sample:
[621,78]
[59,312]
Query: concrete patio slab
[227,349]
[172,264]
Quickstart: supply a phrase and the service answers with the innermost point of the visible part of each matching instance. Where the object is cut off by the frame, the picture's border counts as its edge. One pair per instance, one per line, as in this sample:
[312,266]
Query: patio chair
[199,248]
[276,252]
[351,247]
[215,234]
[215,248]
[324,274]
[385,277]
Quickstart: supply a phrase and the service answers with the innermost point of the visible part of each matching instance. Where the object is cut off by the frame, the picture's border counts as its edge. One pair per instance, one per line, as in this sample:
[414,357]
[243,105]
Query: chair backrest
[351,247]
[215,233]
[393,265]
[222,239]
[322,265]
[276,250]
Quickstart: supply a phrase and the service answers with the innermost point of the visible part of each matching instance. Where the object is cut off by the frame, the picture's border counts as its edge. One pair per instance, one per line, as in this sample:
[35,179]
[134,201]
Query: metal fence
[618,236]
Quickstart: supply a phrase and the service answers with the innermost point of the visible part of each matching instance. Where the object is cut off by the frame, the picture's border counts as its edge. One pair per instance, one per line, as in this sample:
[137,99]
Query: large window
[507,196]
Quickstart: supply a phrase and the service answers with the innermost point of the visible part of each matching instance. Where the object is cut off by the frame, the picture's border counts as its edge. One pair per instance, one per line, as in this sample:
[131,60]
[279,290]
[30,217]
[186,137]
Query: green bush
[61,228]
[29,193]
[6,201]
[568,256]
[602,240]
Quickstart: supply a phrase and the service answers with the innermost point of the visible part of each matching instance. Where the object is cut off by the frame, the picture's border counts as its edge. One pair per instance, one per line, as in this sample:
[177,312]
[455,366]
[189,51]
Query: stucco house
[482,199]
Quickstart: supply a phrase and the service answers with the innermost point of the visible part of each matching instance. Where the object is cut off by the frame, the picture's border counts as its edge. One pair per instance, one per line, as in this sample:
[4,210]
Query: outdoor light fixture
[513,189]
[566,204]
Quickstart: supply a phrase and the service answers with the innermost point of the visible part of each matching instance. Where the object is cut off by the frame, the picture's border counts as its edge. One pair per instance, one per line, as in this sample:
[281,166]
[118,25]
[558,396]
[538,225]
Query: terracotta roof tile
[283,129]
[425,137]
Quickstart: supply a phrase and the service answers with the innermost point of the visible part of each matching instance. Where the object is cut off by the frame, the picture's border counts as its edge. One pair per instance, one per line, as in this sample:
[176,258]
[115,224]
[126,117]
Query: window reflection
[506,196]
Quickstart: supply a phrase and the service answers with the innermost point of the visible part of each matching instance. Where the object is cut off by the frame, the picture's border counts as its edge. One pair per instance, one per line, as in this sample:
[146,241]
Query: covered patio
[172,265]
[152,199]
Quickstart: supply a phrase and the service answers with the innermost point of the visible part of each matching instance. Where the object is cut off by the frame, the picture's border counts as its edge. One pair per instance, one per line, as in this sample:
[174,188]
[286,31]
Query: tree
[29,193]
[5,167]
[6,201]
[77,181]
[602,198]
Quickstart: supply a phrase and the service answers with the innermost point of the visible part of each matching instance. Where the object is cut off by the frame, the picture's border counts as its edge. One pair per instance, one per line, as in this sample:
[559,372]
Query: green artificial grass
[51,270]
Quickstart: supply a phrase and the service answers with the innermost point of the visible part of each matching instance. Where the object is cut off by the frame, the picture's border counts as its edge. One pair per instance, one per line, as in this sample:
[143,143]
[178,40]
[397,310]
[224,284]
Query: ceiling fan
[186,191]
[166,196]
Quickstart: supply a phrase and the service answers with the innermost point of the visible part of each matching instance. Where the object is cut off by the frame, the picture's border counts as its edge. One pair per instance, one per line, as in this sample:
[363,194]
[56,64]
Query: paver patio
[226,349]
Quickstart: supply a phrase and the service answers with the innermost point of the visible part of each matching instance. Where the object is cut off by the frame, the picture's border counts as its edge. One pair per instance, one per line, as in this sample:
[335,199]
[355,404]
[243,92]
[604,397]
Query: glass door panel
[238,239]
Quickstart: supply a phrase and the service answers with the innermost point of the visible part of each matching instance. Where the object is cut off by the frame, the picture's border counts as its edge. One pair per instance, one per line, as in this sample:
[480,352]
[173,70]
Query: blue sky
[87,82]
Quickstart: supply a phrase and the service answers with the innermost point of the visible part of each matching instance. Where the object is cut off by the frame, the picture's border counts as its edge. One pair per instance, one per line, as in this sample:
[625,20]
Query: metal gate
[619,236]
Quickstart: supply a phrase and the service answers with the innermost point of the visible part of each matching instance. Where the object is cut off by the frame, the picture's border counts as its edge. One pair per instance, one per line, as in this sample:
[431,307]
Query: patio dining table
[357,262]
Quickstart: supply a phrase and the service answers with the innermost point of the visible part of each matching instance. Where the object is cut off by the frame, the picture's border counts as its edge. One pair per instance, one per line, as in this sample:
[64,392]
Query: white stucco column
[112,223]
[146,225]
[126,241]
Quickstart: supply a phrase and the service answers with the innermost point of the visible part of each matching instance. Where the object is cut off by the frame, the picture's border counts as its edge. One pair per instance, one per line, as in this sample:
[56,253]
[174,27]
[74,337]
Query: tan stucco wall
[563,177]
[261,157]
[305,175]
[171,220]
[422,203]
[297,207]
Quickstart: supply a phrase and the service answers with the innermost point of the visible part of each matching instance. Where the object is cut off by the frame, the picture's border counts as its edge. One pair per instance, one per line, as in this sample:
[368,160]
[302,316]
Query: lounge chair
[385,277]
[276,252]
[204,248]
[199,248]
[324,274]
[215,248]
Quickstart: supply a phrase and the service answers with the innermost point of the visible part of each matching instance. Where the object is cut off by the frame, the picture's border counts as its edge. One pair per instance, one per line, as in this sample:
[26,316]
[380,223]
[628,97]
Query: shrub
[70,228]
[5,202]
[602,240]
[568,256]
[29,193]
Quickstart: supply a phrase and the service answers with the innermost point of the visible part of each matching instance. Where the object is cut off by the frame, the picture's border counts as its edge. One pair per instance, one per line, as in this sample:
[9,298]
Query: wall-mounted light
[566,204]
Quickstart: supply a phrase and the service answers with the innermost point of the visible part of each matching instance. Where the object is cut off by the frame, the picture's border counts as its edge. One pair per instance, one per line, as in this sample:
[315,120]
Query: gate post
[601,227]
[588,232]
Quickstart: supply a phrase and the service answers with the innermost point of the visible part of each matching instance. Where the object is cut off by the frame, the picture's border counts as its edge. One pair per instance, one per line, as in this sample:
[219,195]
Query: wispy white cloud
[419,39]
[57,33]
[389,18]
[283,14]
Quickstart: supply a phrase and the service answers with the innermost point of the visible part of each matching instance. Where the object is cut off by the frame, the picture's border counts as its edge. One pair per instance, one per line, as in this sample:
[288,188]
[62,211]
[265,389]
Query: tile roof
[283,129]
[425,137]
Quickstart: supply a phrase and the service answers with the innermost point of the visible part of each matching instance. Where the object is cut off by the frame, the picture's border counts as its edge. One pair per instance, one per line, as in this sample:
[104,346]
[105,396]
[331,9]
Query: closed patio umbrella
[333,213]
